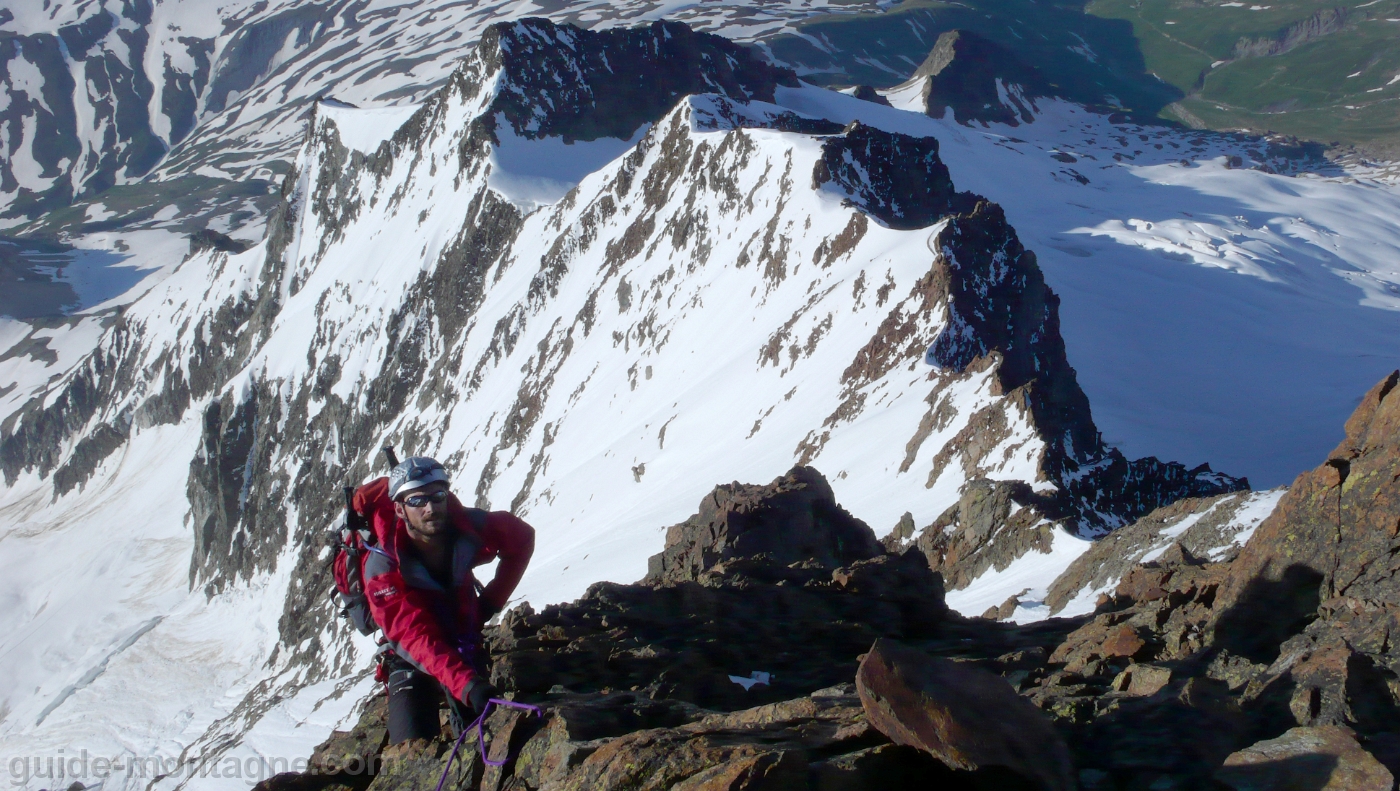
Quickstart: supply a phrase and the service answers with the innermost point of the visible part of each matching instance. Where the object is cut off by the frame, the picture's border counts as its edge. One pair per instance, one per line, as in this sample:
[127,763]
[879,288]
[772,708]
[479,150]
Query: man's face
[428,521]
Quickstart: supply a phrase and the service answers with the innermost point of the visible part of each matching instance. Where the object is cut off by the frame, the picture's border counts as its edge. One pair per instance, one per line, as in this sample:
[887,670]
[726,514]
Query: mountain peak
[978,79]
[578,84]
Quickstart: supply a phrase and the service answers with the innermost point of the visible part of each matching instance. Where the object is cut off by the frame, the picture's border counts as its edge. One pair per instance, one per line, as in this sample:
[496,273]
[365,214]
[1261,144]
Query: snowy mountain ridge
[754,282]
[747,275]
[103,92]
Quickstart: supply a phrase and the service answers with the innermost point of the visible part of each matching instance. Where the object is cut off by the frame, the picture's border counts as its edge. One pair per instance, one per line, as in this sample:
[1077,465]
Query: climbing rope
[480,724]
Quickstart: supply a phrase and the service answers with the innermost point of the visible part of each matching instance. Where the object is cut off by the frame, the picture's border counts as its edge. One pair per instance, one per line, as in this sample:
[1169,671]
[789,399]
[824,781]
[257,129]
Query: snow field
[1217,315]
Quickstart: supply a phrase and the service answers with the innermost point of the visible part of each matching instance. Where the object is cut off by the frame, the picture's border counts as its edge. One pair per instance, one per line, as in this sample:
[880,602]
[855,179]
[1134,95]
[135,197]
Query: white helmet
[415,472]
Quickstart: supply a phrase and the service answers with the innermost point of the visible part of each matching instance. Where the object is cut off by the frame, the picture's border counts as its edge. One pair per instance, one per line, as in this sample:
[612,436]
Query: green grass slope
[1317,70]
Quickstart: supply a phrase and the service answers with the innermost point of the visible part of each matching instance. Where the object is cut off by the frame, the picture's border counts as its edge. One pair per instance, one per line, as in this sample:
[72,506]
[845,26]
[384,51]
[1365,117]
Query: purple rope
[479,724]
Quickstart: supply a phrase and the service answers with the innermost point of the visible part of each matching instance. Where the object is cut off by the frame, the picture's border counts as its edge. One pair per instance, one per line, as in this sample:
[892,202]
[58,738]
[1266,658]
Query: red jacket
[438,630]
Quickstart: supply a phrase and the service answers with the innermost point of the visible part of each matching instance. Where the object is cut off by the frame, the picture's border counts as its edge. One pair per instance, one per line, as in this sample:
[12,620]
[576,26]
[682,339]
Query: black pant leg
[413,704]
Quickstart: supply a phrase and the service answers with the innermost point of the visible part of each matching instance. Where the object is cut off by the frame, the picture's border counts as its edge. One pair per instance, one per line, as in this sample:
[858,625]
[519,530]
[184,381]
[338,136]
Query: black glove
[477,694]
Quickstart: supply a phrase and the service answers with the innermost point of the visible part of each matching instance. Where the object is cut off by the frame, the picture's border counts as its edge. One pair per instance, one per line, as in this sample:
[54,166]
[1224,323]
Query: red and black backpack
[356,537]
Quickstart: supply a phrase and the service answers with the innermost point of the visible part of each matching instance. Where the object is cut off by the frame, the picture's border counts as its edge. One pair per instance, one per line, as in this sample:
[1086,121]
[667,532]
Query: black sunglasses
[420,500]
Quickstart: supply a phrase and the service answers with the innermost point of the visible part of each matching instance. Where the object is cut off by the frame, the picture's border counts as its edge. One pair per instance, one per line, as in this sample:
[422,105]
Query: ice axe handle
[353,519]
[391,456]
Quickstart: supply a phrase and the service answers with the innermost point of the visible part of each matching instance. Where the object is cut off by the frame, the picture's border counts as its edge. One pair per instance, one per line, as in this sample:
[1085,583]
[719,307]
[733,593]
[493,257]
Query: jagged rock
[979,80]
[774,578]
[209,239]
[803,623]
[1324,536]
[965,717]
[869,94]
[993,524]
[795,518]
[1313,593]
[589,78]
[1001,312]
[895,178]
[1325,758]
[1208,528]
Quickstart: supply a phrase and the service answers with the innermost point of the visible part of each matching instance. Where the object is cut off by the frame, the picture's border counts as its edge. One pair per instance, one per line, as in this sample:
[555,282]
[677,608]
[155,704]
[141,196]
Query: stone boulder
[967,718]
[1325,758]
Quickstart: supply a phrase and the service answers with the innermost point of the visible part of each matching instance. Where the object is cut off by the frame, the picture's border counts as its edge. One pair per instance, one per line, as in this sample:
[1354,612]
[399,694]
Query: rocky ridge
[109,93]
[1272,669]
[286,365]
[978,79]
[635,679]
[1209,528]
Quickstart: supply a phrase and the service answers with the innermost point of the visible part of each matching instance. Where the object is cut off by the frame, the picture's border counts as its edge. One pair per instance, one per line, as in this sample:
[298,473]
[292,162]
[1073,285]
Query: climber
[423,595]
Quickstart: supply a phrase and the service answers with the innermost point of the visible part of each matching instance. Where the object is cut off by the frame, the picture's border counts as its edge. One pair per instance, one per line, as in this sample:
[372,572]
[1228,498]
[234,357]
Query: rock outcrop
[776,579]
[978,79]
[1212,528]
[1323,758]
[793,519]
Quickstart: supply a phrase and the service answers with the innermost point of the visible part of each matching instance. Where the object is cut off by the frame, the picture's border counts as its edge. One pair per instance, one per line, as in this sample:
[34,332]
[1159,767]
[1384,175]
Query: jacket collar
[415,573]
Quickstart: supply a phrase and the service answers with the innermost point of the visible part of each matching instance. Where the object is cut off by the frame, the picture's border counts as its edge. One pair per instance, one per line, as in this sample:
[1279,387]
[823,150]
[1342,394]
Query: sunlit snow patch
[365,129]
[535,173]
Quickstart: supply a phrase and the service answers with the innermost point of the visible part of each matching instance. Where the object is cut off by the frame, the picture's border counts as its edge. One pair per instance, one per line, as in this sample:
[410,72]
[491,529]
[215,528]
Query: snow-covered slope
[729,279]
[102,92]
[746,286]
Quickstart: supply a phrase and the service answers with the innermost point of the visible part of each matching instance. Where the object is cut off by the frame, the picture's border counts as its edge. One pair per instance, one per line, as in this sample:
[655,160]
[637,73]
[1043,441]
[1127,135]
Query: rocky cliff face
[978,79]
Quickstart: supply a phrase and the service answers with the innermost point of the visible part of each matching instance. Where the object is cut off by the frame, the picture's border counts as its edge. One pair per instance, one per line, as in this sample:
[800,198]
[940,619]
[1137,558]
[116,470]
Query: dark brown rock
[794,518]
[967,718]
[1123,641]
[1325,758]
